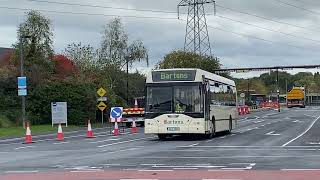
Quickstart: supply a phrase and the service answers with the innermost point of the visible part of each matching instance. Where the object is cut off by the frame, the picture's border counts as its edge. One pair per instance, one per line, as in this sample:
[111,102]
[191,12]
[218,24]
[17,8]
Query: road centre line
[23,147]
[106,145]
[311,125]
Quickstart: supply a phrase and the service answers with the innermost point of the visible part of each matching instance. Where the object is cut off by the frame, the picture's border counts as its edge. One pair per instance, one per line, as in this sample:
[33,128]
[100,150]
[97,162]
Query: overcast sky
[294,44]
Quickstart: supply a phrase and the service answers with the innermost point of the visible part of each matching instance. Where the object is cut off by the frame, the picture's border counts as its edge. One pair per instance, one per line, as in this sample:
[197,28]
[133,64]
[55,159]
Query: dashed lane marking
[311,125]
[23,147]
[104,141]
[122,142]
[61,143]
[272,134]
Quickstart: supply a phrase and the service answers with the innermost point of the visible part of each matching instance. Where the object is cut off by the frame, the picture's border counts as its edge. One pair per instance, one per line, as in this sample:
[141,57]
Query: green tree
[116,49]
[37,48]
[84,56]
[182,59]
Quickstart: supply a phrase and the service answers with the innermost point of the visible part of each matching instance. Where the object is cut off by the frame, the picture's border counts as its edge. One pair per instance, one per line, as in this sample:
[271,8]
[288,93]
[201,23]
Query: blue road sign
[22,82]
[116,112]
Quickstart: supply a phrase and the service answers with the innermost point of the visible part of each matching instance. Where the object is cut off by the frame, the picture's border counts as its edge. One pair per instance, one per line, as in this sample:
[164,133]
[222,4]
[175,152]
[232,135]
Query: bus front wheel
[230,124]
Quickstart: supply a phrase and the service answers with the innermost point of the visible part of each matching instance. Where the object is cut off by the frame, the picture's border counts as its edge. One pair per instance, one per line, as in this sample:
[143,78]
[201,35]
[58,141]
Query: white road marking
[104,140]
[185,168]
[210,140]
[271,134]
[196,144]
[311,125]
[23,147]
[186,150]
[123,150]
[248,147]
[87,171]
[122,142]
[159,170]
[61,143]
[300,169]
[317,143]
[226,170]
[310,115]
[227,157]
[297,121]
[191,166]
[17,172]
[152,164]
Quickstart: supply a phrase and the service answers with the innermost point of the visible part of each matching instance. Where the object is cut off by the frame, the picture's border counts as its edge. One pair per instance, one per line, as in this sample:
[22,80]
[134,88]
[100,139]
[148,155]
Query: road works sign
[101,92]
[59,112]
[102,106]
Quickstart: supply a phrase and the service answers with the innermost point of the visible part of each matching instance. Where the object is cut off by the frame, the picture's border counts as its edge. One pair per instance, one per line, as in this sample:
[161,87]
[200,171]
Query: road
[265,145]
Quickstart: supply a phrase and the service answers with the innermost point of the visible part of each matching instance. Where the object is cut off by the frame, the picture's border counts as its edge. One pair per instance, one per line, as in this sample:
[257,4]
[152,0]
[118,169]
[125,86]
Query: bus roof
[199,73]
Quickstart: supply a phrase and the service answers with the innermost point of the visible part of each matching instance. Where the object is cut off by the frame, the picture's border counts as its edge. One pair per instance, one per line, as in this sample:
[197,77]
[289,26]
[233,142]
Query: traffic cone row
[60,136]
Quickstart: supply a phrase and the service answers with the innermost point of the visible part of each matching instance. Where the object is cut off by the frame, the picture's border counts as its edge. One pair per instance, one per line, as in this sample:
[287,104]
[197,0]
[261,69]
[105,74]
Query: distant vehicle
[189,101]
[296,97]
[136,112]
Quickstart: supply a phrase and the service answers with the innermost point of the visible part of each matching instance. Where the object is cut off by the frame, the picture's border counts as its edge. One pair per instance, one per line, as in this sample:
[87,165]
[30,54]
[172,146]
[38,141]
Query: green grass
[36,129]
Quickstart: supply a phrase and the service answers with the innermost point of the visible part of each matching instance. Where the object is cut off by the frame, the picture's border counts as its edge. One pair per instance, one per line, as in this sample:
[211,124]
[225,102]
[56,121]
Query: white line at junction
[23,147]
[311,125]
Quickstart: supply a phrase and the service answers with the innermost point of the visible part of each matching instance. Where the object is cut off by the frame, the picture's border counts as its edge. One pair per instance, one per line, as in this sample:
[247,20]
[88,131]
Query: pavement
[265,145]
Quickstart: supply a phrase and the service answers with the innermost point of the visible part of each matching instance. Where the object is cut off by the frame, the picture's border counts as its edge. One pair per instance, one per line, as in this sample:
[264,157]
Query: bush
[4,122]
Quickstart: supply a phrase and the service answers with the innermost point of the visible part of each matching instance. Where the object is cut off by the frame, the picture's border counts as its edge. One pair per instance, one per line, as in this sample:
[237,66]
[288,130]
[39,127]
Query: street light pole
[278,90]
[23,98]
[127,79]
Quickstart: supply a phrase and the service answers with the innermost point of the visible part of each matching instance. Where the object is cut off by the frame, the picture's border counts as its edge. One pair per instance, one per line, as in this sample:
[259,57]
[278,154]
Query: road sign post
[102,106]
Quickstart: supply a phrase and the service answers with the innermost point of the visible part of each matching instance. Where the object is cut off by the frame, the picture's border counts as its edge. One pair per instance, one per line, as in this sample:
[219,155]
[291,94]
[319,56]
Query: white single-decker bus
[189,101]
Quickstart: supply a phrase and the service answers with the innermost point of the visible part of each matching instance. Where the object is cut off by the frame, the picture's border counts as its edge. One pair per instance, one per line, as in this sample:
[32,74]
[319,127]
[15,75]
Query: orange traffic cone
[116,129]
[28,138]
[89,132]
[134,128]
[60,133]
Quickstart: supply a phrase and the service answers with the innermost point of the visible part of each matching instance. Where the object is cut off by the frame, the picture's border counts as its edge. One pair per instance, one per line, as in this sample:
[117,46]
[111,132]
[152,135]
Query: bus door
[207,100]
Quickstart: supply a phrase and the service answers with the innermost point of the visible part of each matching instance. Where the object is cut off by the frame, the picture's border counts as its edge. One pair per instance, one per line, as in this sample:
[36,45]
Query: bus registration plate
[173,128]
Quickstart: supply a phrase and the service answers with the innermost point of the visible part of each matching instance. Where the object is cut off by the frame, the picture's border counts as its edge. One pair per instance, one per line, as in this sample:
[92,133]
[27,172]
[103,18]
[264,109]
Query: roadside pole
[102,106]
[278,90]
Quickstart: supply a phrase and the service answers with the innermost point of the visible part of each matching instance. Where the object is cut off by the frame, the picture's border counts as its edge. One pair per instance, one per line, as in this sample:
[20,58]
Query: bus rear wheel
[162,136]
[230,124]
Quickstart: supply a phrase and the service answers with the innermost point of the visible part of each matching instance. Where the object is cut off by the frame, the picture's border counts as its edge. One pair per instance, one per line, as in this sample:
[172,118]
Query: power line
[146,17]
[298,7]
[257,38]
[103,7]
[265,18]
[89,14]
[260,27]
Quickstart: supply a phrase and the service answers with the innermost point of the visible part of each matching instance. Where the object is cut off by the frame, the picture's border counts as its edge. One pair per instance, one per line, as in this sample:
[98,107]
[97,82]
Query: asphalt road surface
[265,145]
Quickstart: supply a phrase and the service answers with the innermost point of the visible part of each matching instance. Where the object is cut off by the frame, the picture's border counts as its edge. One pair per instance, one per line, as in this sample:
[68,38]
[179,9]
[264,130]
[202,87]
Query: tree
[84,56]
[182,59]
[116,51]
[38,48]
